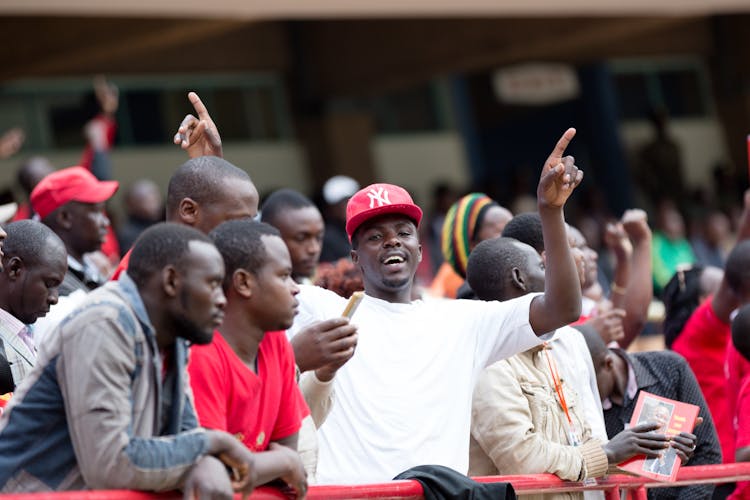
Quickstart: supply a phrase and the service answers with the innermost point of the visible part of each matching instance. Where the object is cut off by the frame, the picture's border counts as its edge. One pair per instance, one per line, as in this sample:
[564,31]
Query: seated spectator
[143,209]
[71,202]
[244,381]
[671,247]
[301,227]
[33,266]
[526,418]
[738,370]
[712,242]
[391,412]
[107,405]
[472,219]
[204,192]
[621,376]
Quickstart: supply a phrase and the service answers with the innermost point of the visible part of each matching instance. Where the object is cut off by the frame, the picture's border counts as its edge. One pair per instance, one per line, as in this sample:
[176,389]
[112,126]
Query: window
[678,85]
[248,107]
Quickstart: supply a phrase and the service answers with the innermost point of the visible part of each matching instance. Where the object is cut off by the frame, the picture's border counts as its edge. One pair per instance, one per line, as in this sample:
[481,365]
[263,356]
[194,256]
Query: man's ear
[354,256]
[13,268]
[170,281]
[419,256]
[63,218]
[609,362]
[189,211]
[243,283]
[518,279]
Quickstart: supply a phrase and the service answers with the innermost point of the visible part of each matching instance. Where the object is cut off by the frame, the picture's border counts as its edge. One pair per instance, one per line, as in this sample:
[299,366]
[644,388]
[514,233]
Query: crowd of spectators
[202,346]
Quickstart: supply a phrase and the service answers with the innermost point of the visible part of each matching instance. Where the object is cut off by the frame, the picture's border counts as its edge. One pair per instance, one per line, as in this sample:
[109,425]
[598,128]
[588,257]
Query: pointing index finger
[561,146]
[198,105]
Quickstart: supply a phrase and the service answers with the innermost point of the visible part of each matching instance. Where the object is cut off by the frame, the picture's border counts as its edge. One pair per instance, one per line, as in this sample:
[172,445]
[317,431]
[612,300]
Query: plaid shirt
[18,344]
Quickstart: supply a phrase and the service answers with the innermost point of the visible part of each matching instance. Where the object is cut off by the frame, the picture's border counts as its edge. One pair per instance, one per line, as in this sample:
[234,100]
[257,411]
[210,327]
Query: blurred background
[438,96]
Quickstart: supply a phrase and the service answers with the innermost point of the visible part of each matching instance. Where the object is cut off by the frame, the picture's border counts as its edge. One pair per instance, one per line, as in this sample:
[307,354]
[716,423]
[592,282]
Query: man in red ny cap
[404,399]
[71,202]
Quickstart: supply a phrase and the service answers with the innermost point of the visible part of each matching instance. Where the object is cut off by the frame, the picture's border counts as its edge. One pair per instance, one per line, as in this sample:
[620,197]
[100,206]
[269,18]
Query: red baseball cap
[379,199]
[69,184]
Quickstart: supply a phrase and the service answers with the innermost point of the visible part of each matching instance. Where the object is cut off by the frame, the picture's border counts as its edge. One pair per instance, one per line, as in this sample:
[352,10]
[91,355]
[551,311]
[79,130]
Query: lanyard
[552,365]
[556,383]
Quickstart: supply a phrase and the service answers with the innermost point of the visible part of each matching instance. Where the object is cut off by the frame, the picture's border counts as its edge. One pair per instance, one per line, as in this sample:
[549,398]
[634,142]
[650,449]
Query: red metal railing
[613,485]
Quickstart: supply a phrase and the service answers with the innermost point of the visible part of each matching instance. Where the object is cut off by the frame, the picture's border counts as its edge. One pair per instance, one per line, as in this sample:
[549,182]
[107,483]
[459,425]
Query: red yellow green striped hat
[460,226]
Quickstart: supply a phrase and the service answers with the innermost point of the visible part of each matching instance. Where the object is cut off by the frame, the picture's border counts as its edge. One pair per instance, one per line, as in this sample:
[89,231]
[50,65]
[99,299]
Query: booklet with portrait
[675,417]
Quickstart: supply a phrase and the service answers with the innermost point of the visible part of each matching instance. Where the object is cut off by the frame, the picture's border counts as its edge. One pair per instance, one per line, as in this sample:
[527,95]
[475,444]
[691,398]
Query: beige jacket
[518,426]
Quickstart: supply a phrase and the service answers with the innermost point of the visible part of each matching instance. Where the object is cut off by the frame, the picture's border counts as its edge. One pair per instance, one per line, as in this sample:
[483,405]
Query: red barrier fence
[412,490]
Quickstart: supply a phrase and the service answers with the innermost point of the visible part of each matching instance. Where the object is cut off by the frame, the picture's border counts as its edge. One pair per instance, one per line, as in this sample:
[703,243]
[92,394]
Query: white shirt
[404,399]
[574,362]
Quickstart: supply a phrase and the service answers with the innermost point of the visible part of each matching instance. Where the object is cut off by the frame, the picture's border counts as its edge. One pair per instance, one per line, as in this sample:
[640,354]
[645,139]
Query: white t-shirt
[404,399]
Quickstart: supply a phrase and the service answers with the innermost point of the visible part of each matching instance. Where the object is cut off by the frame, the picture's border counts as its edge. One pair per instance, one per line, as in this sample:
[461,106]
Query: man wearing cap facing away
[404,399]
[71,202]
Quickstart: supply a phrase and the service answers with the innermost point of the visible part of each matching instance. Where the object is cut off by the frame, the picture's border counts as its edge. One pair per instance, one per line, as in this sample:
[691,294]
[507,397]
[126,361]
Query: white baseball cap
[339,188]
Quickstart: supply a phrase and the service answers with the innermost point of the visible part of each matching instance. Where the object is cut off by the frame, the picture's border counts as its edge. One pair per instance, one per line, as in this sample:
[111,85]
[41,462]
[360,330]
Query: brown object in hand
[353,303]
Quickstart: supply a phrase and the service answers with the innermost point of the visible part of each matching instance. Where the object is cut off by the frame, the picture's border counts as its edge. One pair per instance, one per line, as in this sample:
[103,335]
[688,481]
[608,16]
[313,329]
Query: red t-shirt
[738,382]
[703,343]
[257,409]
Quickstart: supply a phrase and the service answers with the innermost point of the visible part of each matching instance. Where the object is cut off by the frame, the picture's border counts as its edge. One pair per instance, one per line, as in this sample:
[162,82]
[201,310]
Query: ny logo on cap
[379,196]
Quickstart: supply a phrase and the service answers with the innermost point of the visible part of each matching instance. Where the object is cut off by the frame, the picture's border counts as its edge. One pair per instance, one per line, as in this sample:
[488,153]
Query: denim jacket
[96,411]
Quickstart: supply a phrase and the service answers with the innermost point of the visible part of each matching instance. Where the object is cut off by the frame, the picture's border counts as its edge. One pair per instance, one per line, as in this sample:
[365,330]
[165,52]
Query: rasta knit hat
[463,219]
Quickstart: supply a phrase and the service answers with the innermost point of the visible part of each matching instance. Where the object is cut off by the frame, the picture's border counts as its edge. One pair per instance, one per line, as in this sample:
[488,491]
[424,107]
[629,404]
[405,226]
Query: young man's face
[273,303]
[89,225]
[35,290]
[302,231]
[534,268]
[590,257]
[239,201]
[201,301]
[388,252]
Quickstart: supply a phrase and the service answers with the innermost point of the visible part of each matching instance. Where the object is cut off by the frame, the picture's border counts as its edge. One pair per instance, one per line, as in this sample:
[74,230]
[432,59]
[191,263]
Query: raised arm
[618,243]
[561,302]
[640,289]
[199,136]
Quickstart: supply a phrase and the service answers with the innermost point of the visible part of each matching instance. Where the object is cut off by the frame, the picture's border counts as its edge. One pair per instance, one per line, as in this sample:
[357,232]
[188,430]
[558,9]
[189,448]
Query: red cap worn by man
[376,200]
[71,202]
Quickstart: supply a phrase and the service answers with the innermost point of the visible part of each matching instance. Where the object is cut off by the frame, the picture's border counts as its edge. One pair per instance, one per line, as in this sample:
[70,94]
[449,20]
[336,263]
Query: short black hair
[30,240]
[681,296]
[281,200]
[737,268]
[160,245]
[201,179]
[240,243]
[526,228]
[489,265]
[741,331]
